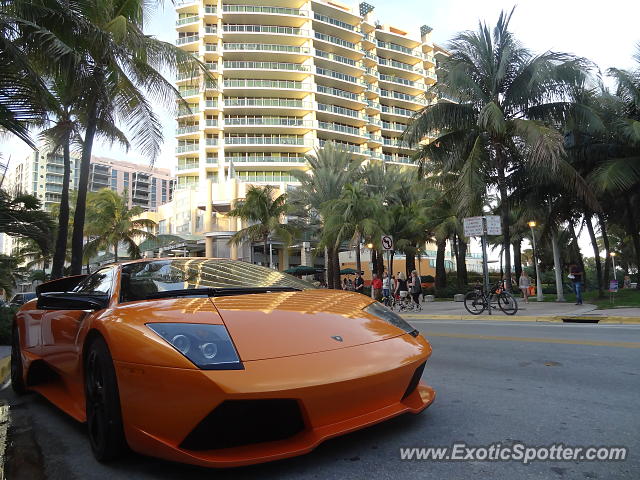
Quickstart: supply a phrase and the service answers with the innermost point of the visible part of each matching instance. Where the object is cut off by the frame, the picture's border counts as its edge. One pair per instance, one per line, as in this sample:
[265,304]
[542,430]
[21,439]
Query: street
[497,382]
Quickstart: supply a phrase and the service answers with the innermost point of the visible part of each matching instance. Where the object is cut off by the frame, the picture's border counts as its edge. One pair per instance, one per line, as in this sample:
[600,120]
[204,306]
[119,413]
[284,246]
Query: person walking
[416,288]
[376,287]
[401,287]
[525,285]
[386,285]
[345,285]
[576,275]
[359,283]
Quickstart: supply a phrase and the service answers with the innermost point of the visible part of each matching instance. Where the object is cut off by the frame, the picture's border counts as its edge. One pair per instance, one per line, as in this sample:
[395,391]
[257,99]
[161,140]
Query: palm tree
[65,132]
[265,212]
[330,170]
[353,216]
[21,216]
[112,222]
[505,92]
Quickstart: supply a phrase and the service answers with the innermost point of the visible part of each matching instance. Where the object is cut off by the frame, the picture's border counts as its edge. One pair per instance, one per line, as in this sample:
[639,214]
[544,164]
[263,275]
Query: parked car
[215,362]
[20,299]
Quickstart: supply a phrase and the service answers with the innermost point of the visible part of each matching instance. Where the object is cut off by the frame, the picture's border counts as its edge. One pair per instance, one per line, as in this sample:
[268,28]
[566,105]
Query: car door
[60,329]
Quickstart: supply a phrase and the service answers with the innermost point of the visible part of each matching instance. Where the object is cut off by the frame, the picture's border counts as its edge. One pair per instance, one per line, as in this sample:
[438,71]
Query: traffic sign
[473,227]
[494,225]
[387,242]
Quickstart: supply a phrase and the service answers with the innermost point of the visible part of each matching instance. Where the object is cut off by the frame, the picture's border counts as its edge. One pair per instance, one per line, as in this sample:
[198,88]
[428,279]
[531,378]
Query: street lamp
[613,260]
[539,295]
[370,246]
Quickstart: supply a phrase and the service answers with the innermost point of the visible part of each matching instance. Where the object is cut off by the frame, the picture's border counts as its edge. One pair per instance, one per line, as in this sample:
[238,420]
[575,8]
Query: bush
[427,279]
[6,321]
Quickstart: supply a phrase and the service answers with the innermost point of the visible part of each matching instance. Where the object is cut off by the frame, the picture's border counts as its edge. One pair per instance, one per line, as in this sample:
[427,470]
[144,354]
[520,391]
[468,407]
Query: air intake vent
[243,422]
[417,375]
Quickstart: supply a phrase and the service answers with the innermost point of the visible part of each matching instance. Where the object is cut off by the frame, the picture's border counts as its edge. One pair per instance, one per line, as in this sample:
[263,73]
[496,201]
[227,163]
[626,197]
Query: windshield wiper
[218,292]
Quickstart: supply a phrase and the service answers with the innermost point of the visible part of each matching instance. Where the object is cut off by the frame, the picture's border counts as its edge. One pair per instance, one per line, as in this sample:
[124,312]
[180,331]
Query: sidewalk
[531,312]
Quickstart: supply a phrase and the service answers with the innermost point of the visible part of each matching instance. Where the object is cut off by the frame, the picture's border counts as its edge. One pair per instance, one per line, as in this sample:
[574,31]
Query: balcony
[261,47]
[292,67]
[264,10]
[337,127]
[212,142]
[406,67]
[267,121]
[189,92]
[351,148]
[187,148]
[335,22]
[188,39]
[351,47]
[187,20]
[185,112]
[404,97]
[336,92]
[336,110]
[187,129]
[264,158]
[284,103]
[265,29]
[269,84]
[296,142]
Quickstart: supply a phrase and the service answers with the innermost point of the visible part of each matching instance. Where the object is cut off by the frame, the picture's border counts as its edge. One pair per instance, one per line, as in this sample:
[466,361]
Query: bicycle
[477,300]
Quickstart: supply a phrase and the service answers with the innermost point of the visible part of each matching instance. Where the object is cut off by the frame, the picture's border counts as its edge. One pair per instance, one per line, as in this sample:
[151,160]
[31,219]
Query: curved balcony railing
[337,127]
[293,67]
[335,22]
[186,20]
[251,83]
[348,112]
[265,140]
[265,102]
[264,9]
[259,47]
[187,147]
[336,41]
[231,28]
[187,129]
[338,93]
[263,158]
[187,39]
[268,121]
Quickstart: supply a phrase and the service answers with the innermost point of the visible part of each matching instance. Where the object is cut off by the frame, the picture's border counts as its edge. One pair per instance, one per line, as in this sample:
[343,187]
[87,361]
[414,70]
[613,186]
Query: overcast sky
[604,32]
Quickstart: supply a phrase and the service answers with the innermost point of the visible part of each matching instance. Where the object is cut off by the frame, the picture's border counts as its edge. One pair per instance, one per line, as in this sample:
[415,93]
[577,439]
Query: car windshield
[143,280]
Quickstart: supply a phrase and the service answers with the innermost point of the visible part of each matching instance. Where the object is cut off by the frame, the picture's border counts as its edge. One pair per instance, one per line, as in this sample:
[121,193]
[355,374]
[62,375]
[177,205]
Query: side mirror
[71,301]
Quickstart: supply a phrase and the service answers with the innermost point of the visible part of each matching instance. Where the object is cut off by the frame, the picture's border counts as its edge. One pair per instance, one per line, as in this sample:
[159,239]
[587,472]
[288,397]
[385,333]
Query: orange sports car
[214,362]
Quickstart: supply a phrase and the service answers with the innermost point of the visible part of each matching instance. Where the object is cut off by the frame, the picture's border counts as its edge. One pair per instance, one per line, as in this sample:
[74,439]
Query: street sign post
[387,242]
[387,245]
[482,227]
[494,225]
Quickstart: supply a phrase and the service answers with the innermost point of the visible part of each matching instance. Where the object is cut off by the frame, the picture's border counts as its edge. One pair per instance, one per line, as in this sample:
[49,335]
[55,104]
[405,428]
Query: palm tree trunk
[77,241]
[557,266]
[461,264]
[392,253]
[635,235]
[596,253]
[59,256]
[506,236]
[441,272]
[115,252]
[410,261]
[267,259]
[517,258]
[329,267]
[578,253]
[358,260]
[336,267]
[607,249]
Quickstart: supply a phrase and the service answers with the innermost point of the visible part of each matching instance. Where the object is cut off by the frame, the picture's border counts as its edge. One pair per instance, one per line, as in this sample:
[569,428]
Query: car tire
[17,370]
[104,416]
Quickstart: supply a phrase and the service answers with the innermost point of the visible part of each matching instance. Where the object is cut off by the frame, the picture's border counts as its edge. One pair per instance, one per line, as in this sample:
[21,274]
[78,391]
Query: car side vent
[417,375]
[234,423]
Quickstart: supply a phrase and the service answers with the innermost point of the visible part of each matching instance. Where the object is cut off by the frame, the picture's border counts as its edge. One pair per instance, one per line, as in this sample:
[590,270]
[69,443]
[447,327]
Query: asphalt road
[497,383]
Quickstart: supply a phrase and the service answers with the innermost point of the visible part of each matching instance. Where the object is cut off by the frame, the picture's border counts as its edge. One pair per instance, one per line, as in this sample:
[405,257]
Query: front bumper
[338,392]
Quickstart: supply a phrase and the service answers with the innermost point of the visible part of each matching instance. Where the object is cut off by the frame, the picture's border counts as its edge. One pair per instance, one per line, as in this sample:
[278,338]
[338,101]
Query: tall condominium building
[41,174]
[285,77]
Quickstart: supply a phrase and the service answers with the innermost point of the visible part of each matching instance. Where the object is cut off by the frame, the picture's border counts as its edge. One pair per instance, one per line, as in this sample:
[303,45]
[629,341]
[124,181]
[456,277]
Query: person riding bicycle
[402,288]
[415,287]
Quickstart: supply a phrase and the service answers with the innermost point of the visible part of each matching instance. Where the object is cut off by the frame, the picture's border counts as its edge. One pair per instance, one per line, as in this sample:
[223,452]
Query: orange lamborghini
[214,362]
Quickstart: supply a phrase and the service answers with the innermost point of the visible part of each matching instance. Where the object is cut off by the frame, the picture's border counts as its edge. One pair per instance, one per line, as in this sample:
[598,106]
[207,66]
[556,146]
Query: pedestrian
[359,283]
[376,285]
[401,287]
[576,275]
[386,285]
[626,282]
[345,285]
[525,284]
[416,287]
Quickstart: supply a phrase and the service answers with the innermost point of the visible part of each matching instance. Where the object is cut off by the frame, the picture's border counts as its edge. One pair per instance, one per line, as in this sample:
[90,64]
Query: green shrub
[6,321]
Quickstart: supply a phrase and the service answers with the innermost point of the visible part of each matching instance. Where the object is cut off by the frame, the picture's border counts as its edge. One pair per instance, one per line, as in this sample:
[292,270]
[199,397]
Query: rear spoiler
[64,284]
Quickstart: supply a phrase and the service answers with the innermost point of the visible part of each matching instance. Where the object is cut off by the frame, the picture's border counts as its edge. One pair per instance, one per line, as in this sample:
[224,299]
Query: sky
[607,36]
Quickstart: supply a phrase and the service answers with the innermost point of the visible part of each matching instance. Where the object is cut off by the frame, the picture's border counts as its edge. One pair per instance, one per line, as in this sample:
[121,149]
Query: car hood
[272,325]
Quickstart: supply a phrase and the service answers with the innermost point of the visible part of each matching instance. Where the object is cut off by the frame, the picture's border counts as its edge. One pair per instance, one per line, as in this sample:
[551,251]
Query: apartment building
[41,174]
[285,77]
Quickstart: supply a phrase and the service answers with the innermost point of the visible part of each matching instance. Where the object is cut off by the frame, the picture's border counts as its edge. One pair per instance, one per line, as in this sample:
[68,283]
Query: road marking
[535,340]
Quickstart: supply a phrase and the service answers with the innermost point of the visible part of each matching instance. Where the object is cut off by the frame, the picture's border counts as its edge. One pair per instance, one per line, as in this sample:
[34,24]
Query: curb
[5,369]
[611,320]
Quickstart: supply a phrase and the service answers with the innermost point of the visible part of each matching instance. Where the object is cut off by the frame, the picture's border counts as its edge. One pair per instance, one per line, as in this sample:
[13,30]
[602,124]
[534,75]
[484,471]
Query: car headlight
[380,311]
[208,347]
